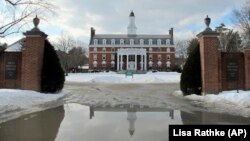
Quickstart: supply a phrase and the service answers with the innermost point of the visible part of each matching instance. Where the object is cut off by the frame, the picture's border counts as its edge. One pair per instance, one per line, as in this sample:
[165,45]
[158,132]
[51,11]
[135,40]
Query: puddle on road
[73,122]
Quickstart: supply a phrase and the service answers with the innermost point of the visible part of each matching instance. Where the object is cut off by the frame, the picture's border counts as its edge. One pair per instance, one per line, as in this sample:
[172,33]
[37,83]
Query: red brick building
[131,51]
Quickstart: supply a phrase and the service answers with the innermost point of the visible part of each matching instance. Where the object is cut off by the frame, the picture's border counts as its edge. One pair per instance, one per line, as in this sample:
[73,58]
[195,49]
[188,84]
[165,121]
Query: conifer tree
[52,73]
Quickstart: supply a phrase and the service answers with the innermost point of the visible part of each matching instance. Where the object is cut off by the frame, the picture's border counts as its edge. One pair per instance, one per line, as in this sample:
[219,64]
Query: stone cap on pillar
[35,31]
[208,31]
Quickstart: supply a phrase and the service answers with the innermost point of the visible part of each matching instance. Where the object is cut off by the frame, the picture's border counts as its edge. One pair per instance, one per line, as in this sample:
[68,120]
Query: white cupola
[132,27]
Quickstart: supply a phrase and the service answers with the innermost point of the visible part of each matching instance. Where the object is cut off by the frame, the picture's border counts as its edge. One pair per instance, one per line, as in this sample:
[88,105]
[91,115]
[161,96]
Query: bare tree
[181,49]
[229,40]
[242,17]
[71,52]
[15,14]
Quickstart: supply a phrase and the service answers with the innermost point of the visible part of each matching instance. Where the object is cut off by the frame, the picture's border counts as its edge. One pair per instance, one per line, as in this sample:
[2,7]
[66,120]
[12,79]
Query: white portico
[128,59]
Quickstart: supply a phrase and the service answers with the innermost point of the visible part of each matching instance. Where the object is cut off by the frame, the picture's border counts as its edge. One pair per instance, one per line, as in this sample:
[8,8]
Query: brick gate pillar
[32,58]
[247,68]
[209,54]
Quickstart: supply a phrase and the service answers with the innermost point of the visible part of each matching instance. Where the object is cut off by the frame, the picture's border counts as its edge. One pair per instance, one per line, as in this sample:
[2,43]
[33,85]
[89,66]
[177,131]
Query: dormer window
[150,41]
[122,42]
[104,41]
[132,41]
[168,42]
[113,42]
[159,42]
[95,41]
[141,42]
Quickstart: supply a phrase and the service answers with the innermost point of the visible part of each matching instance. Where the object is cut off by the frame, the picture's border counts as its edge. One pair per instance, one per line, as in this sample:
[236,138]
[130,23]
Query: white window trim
[132,41]
[95,41]
[141,42]
[104,41]
[104,57]
[158,41]
[122,42]
[150,41]
[159,57]
[112,41]
[95,57]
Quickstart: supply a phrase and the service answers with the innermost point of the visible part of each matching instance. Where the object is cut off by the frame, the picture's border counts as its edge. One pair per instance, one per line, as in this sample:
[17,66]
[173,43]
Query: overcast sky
[152,17]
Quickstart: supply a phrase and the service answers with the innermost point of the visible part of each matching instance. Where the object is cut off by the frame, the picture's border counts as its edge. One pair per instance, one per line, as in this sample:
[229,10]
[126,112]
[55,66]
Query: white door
[131,65]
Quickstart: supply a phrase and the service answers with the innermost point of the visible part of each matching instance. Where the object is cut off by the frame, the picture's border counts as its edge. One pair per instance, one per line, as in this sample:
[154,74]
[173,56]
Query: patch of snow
[15,100]
[227,101]
[112,77]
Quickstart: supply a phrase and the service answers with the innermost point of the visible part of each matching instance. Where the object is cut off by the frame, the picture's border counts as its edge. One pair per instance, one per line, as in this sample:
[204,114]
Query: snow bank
[112,77]
[17,100]
[227,101]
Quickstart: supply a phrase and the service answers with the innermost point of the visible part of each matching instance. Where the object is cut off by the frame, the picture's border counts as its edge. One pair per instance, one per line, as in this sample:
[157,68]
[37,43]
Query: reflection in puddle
[123,122]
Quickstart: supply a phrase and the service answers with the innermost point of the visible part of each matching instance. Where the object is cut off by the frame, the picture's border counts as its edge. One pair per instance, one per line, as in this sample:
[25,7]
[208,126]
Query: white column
[121,62]
[118,56]
[141,63]
[127,61]
[145,63]
[136,62]
[144,58]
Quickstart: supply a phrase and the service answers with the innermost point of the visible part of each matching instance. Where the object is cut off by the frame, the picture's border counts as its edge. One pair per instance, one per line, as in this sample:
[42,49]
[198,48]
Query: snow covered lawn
[24,100]
[113,77]
[227,101]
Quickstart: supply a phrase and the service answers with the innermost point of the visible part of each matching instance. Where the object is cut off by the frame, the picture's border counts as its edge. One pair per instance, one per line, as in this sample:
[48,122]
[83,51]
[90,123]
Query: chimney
[171,33]
[92,32]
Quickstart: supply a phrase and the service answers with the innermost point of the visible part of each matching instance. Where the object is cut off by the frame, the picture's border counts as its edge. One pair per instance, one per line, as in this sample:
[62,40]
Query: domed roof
[131,14]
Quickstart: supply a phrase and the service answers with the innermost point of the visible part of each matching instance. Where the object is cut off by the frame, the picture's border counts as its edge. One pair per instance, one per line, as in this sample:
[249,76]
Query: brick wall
[209,64]
[32,63]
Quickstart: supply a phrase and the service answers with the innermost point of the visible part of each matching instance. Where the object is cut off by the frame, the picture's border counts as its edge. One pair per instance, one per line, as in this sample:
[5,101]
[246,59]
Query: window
[141,42]
[168,50]
[168,64]
[95,41]
[122,42]
[112,57]
[168,57]
[150,49]
[150,57]
[112,64]
[159,56]
[168,42]
[132,41]
[159,49]
[113,42]
[104,57]
[95,57]
[112,49]
[104,49]
[103,66]
[104,41]
[95,49]
[95,64]
[150,41]
[159,42]
[131,58]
